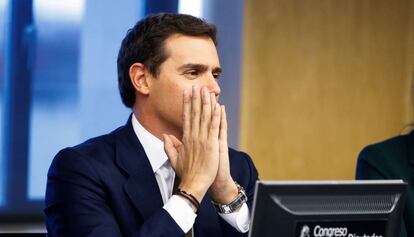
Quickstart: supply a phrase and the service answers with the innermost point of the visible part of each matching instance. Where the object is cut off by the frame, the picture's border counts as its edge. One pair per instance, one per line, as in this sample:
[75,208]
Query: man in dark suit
[126,183]
[392,159]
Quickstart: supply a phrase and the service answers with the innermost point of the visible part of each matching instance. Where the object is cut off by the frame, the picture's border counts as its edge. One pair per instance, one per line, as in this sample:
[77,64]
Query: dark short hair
[144,43]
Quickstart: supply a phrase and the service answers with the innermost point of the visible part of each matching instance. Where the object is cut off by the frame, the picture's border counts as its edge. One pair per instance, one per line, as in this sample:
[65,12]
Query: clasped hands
[201,158]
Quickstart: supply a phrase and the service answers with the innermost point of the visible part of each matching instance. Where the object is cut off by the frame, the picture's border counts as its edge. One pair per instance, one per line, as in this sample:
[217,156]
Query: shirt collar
[153,147]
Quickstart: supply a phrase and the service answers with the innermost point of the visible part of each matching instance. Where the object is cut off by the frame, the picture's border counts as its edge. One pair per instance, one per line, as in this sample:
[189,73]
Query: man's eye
[192,73]
[216,75]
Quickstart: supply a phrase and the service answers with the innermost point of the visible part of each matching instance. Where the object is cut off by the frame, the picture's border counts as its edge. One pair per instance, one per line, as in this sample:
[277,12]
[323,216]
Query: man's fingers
[223,146]
[176,143]
[223,124]
[205,114]
[213,101]
[186,113]
[215,123]
[171,150]
[195,111]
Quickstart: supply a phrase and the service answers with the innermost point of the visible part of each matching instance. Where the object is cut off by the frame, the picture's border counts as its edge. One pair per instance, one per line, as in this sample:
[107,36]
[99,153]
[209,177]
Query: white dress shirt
[178,209]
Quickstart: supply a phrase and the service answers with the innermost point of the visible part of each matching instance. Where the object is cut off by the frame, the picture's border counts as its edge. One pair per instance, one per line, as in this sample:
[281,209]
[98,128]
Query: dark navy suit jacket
[106,187]
[392,159]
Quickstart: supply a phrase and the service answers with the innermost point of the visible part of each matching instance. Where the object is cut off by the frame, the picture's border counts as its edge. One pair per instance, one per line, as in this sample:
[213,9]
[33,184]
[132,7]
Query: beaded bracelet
[189,197]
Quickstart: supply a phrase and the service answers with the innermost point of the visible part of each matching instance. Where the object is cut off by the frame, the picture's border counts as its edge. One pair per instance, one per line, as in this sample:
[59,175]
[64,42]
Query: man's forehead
[184,49]
[177,38]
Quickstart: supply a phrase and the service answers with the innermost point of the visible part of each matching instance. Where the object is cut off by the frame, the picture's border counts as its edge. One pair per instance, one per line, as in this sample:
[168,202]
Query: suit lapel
[141,186]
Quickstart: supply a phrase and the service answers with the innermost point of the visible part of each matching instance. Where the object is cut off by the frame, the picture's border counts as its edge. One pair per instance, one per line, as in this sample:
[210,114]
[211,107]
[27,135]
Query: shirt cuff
[239,220]
[181,212]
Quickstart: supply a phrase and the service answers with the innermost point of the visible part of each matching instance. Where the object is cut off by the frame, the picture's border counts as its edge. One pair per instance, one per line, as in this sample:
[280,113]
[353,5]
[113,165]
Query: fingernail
[217,106]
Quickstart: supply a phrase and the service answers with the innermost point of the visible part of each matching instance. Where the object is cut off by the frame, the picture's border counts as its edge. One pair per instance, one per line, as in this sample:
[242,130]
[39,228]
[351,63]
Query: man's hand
[195,159]
[223,190]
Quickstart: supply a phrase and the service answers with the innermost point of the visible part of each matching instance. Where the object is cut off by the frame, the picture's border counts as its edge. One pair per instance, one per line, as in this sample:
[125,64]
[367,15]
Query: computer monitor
[328,208]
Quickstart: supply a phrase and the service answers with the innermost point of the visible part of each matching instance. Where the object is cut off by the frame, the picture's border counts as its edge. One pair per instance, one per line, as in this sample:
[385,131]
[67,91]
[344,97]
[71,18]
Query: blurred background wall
[322,79]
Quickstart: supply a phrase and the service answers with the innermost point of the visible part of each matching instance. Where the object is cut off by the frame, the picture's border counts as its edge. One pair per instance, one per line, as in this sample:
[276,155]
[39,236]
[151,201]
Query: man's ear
[139,78]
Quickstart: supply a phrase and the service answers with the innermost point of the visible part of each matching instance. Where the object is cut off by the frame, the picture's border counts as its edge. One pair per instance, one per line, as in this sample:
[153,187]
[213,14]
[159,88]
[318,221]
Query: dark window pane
[3,171]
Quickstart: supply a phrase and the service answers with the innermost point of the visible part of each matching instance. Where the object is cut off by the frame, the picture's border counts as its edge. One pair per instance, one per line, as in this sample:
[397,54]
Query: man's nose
[213,86]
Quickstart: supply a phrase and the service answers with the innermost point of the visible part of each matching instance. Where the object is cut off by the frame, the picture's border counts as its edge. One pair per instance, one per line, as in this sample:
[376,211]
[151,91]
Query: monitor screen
[328,208]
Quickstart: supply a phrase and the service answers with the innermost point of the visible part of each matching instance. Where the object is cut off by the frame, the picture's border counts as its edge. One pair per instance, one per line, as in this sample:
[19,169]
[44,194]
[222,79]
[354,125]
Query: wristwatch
[240,199]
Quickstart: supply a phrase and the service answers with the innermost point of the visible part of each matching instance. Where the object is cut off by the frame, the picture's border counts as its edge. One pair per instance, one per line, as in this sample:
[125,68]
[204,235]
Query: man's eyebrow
[217,70]
[198,66]
[193,66]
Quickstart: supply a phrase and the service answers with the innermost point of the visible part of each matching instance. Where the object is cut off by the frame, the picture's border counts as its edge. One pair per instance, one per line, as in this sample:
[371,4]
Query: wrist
[197,190]
[224,193]
[189,199]
[234,205]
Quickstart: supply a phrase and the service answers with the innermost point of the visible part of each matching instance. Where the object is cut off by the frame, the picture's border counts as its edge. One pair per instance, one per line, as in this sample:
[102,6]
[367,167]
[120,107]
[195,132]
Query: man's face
[191,61]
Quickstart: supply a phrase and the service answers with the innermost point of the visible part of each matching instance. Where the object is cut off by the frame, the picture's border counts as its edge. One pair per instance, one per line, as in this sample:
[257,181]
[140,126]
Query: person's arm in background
[370,166]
